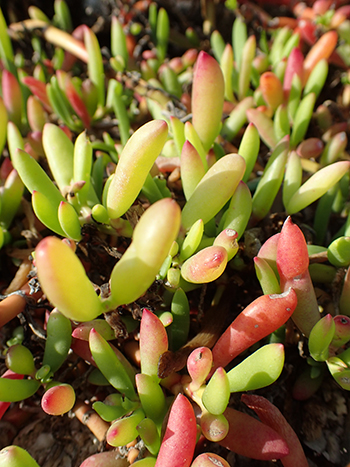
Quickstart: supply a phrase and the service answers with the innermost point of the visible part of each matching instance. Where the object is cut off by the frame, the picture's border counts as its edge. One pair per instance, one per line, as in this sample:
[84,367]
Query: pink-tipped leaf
[179,441]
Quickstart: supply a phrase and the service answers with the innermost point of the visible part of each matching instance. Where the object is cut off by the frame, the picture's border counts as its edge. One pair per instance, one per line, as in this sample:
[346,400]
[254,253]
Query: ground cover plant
[175,234]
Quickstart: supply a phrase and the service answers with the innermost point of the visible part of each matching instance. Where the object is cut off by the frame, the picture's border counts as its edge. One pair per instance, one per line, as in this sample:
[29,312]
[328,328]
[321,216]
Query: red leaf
[251,438]
[272,417]
[179,441]
[38,88]
[263,316]
[78,104]
[292,255]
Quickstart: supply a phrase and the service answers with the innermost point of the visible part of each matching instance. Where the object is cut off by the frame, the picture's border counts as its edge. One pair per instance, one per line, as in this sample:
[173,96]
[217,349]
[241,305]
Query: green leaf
[271,180]
[153,236]
[82,163]
[249,149]
[110,365]
[216,395]
[260,369]
[35,178]
[222,179]
[320,338]
[69,221]
[338,252]
[58,341]
[59,152]
[136,160]
[46,212]
[64,281]
[152,398]
[14,456]
[20,360]
[14,390]
[317,185]
[180,326]
[95,63]
[302,119]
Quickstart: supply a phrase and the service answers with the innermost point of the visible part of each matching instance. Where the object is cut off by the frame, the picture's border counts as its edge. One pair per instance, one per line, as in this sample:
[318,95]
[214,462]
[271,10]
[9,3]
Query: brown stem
[15,303]
[94,422]
[212,326]
[10,307]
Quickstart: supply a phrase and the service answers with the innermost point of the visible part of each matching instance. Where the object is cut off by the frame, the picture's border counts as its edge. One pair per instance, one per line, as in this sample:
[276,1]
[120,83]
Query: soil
[322,422]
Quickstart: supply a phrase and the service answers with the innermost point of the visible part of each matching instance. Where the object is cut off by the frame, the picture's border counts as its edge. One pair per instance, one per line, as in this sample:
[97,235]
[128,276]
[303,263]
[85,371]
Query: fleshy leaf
[340,372]
[112,408]
[223,178]
[228,240]
[110,365]
[260,369]
[205,266]
[266,276]
[46,212]
[237,118]
[82,164]
[214,427]
[317,185]
[148,431]
[153,237]
[263,316]
[20,360]
[152,397]
[320,338]
[179,441]
[292,263]
[216,395]
[95,63]
[135,162]
[58,340]
[34,177]
[209,459]
[59,152]
[124,430]
[105,459]
[322,49]
[10,197]
[207,98]
[238,213]
[69,221]
[192,168]
[15,456]
[272,417]
[248,54]
[271,180]
[13,390]
[338,252]
[180,326]
[199,364]
[151,349]
[292,177]
[264,125]
[302,119]
[58,399]
[192,240]
[290,241]
[100,325]
[272,90]
[251,438]
[64,280]
[249,149]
